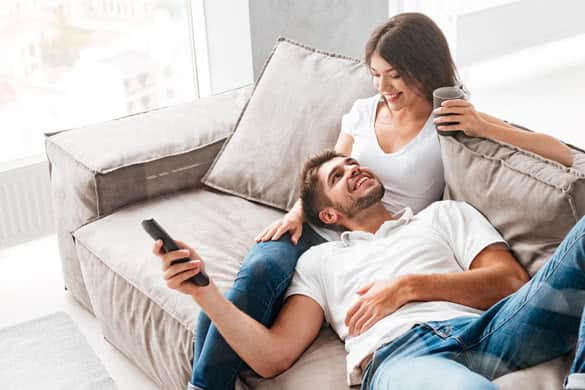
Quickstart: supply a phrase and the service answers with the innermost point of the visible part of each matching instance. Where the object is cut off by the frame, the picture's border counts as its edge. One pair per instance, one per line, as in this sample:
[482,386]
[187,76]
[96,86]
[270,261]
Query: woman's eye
[395,76]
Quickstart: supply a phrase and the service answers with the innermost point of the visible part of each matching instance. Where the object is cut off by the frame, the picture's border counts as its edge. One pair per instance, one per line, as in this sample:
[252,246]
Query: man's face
[350,187]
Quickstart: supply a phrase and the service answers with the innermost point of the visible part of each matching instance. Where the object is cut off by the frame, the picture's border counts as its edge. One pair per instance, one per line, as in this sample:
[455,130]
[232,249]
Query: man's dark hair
[417,49]
[312,192]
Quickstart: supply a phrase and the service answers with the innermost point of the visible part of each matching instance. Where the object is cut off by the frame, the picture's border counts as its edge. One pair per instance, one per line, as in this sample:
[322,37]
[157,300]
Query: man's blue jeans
[541,321]
[258,291]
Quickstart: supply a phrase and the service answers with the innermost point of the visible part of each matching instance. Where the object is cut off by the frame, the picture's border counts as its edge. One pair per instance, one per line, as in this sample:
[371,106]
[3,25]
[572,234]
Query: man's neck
[370,219]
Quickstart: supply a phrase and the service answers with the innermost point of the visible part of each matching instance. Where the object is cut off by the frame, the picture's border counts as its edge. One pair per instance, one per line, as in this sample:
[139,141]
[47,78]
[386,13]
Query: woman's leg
[201,329]
[258,291]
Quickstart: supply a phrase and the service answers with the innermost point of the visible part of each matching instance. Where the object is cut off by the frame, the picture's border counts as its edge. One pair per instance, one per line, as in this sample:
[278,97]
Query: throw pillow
[295,111]
[533,202]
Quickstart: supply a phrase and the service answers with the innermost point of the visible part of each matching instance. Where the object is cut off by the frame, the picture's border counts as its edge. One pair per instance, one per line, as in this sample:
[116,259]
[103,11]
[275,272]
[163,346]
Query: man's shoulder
[364,105]
[323,250]
[367,101]
[319,254]
[447,211]
[443,206]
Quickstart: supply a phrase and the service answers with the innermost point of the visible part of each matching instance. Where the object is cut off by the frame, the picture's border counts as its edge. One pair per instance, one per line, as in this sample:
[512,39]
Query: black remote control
[158,233]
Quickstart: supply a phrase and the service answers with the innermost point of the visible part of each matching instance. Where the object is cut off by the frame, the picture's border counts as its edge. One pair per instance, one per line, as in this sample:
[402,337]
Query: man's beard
[364,202]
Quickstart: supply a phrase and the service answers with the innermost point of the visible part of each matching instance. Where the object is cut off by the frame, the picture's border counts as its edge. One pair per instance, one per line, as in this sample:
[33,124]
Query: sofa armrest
[97,169]
[100,168]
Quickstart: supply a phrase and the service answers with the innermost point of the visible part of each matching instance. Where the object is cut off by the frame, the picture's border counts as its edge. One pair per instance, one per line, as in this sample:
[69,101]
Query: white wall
[525,62]
[222,41]
[233,38]
[338,26]
[509,28]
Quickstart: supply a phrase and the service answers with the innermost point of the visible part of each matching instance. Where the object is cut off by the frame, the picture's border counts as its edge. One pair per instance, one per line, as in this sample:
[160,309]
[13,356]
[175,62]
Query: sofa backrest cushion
[295,111]
[533,202]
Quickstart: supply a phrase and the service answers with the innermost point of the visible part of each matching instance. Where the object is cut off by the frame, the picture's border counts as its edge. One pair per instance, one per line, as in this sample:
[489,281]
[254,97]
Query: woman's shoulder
[360,115]
[366,104]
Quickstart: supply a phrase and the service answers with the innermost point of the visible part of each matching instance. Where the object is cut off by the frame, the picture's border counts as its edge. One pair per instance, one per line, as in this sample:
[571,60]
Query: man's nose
[354,170]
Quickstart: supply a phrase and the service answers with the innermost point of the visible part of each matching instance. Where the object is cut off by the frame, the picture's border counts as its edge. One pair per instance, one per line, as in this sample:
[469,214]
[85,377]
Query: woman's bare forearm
[541,144]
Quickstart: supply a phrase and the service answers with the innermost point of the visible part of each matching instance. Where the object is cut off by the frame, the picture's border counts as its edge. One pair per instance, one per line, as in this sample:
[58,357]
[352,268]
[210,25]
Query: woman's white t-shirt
[412,176]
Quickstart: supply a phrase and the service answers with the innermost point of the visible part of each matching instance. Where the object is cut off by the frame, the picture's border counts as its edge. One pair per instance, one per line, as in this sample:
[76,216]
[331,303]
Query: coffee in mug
[447,93]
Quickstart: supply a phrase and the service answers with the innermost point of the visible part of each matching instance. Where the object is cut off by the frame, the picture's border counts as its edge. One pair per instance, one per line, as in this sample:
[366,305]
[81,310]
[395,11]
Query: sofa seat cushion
[138,313]
[154,325]
[323,364]
[220,227]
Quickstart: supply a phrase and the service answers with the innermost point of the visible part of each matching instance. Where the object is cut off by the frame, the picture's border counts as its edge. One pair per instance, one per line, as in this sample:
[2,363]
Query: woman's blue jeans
[541,321]
[258,291]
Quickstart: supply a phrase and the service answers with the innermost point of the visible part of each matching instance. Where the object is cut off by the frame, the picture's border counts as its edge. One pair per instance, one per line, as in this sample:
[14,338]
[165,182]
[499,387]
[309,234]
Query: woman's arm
[344,144]
[478,124]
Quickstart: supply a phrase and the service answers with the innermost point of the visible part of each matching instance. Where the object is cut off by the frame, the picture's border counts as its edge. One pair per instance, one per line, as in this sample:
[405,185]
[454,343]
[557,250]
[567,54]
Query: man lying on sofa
[404,293]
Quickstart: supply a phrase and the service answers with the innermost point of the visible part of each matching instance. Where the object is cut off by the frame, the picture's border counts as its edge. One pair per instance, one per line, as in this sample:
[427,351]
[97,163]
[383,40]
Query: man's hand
[378,299]
[178,275]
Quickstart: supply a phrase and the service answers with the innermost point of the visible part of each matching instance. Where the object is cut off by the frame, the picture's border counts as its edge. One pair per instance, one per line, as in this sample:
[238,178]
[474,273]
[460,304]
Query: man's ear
[329,216]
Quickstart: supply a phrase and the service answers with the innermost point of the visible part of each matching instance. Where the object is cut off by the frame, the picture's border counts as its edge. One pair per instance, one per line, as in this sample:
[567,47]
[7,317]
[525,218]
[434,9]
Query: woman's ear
[329,216]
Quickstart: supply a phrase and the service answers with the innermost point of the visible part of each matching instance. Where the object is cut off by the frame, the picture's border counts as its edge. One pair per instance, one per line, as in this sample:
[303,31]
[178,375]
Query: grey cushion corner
[140,138]
[302,93]
[533,202]
[150,154]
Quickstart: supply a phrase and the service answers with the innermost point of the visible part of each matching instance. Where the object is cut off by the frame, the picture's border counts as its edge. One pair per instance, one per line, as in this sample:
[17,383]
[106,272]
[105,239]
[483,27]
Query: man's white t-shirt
[412,177]
[444,238]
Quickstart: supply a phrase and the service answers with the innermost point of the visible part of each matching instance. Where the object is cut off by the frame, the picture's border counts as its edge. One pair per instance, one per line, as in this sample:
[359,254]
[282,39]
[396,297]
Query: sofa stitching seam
[318,51]
[195,148]
[244,196]
[509,166]
[93,174]
[71,155]
[541,159]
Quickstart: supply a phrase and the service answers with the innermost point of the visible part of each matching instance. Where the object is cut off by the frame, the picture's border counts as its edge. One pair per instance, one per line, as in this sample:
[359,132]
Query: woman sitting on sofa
[393,133]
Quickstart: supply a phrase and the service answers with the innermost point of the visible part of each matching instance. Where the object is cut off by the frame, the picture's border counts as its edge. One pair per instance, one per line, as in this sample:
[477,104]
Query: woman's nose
[384,83]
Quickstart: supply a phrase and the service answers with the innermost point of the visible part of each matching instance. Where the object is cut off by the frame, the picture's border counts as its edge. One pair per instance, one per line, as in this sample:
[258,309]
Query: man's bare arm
[493,275]
[266,351]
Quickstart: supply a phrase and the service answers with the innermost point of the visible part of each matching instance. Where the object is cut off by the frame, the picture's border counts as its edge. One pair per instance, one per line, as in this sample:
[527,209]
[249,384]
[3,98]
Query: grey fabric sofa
[107,177]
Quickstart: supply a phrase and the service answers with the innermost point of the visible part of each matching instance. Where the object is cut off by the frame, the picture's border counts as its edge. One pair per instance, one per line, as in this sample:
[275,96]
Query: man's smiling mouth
[359,181]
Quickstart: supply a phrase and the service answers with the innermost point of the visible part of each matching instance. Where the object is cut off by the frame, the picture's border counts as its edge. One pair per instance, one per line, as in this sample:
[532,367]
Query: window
[145,100]
[69,63]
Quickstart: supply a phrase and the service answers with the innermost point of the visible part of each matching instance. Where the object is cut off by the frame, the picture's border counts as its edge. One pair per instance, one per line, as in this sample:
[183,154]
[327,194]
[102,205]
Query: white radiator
[26,212]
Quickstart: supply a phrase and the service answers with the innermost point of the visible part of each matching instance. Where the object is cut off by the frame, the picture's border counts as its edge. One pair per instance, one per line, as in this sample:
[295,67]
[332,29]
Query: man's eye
[336,177]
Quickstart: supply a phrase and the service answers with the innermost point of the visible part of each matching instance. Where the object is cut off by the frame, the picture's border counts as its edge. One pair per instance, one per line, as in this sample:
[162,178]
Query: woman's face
[391,85]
